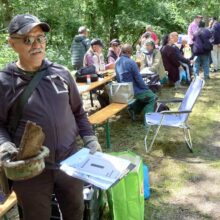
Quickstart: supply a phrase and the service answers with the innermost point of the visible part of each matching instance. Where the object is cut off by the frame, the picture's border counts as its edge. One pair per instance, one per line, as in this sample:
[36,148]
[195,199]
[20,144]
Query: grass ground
[184,185]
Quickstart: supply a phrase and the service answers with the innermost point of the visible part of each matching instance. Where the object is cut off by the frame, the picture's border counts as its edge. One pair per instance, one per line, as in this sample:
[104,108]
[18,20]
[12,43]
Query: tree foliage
[106,19]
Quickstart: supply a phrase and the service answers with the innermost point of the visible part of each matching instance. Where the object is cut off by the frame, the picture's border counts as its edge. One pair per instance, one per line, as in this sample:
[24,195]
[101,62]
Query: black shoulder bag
[16,110]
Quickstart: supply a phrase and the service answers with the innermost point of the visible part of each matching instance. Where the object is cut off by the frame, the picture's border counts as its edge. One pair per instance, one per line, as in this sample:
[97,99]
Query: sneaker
[132,114]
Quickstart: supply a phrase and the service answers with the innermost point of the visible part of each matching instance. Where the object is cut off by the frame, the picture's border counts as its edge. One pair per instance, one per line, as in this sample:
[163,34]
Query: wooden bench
[7,205]
[103,116]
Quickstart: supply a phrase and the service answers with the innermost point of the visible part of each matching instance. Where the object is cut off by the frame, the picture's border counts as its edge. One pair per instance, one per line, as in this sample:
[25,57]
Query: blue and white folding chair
[177,119]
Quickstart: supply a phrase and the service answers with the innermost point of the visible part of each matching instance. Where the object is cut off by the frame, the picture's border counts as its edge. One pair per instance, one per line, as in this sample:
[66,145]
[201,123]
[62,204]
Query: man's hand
[8,148]
[92,143]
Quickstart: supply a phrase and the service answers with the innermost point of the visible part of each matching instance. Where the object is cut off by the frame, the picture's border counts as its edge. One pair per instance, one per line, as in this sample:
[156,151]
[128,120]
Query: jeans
[202,60]
[187,71]
[216,56]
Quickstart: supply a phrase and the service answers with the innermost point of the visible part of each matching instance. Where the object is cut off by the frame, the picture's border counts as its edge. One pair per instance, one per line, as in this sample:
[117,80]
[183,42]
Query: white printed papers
[146,70]
[99,169]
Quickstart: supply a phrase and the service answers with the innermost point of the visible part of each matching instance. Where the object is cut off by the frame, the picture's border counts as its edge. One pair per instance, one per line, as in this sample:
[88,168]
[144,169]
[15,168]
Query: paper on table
[99,169]
[146,70]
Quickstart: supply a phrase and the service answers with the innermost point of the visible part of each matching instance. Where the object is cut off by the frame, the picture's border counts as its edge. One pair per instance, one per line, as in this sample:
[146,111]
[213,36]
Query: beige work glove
[92,143]
[8,148]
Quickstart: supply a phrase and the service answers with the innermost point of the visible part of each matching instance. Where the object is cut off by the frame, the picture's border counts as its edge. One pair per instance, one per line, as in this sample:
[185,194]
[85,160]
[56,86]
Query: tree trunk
[7,12]
[113,25]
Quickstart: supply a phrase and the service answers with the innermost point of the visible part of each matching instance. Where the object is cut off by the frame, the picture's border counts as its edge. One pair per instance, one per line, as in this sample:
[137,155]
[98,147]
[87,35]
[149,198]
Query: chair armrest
[171,100]
[175,112]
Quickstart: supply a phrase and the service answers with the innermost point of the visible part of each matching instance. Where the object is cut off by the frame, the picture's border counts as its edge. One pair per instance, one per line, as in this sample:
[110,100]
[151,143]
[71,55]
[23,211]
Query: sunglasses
[29,40]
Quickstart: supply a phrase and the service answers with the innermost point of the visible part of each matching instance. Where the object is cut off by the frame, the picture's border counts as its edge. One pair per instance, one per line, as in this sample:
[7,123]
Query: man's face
[31,54]
[97,49]
[117,49]
[174,37]
[149,47]
[198,19]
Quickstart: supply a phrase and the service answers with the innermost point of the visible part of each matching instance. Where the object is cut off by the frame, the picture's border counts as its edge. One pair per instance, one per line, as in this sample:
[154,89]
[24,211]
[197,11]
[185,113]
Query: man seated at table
[94,56]
[127,71]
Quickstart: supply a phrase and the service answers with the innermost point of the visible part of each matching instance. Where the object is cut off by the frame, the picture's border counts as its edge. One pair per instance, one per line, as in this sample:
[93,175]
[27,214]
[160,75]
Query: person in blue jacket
[127,71]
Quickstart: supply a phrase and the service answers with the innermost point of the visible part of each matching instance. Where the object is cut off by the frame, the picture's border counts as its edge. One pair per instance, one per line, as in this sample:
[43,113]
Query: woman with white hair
[152,58]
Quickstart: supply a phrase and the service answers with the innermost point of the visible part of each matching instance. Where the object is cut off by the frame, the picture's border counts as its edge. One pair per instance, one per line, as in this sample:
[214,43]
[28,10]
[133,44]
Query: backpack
[153,81]
[84,72]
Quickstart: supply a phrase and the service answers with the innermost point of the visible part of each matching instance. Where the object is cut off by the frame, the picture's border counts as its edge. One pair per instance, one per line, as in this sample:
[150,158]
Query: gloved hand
[92,143]
[8,148]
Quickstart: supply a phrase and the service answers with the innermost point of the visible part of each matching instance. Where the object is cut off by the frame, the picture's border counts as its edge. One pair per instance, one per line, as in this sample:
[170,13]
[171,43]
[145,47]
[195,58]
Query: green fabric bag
[126,198]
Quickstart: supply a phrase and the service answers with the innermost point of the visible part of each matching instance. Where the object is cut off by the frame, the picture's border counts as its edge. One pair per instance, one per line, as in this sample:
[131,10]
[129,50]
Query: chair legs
[153,139]
[188,139]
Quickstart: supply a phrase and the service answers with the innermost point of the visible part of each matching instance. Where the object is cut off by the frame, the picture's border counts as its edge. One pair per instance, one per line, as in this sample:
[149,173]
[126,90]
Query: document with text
[100,169]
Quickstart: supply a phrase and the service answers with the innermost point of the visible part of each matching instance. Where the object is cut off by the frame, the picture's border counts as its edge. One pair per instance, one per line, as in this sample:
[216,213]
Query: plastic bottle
[146,182]
[102,63]
[88,79]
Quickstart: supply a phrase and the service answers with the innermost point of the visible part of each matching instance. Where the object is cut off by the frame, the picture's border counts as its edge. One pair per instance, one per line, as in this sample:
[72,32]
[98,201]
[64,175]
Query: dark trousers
[34,195]
[145,100]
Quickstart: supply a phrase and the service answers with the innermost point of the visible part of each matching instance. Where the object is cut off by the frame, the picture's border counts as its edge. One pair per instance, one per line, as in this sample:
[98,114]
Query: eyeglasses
[29,40]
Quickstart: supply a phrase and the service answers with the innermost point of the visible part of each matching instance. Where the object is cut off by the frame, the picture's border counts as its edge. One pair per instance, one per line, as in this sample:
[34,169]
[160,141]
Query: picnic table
[109,75]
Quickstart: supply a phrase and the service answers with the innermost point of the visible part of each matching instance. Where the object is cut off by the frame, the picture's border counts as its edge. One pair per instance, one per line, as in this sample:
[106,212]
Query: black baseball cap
[23,23]
[97,42]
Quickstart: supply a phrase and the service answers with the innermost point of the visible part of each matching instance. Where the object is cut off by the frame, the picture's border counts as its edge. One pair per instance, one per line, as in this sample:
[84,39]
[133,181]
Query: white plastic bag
[120,92]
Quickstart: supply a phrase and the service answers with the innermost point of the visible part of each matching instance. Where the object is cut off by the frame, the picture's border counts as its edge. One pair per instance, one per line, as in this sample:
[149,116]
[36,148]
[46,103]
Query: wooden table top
[84,87]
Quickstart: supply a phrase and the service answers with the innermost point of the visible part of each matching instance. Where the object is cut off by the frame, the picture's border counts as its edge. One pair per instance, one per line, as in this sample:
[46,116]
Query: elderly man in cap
[80,45]
[94,56]
[56,106]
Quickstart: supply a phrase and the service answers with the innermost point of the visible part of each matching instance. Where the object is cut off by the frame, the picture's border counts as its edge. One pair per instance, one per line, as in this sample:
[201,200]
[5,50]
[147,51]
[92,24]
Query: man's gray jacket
[55,105]
[79,47]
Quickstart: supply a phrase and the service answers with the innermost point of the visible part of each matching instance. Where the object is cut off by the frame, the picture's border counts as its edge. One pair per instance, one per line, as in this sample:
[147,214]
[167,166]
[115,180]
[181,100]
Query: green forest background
[106,19]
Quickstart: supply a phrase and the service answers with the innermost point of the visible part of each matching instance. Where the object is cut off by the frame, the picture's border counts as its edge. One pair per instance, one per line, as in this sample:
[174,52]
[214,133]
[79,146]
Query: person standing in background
[153,34]
[215,40]
[192,29]
[201,49]
[80,45]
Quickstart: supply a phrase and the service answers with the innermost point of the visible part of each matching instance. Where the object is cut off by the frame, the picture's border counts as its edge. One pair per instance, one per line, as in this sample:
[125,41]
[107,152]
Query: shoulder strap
[17,109]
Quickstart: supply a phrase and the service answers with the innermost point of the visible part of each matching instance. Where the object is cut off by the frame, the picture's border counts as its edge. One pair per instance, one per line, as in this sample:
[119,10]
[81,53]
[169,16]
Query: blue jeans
[202,60]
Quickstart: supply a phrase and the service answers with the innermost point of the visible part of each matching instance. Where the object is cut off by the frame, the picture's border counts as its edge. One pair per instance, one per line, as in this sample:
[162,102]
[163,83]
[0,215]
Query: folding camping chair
[177,119]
